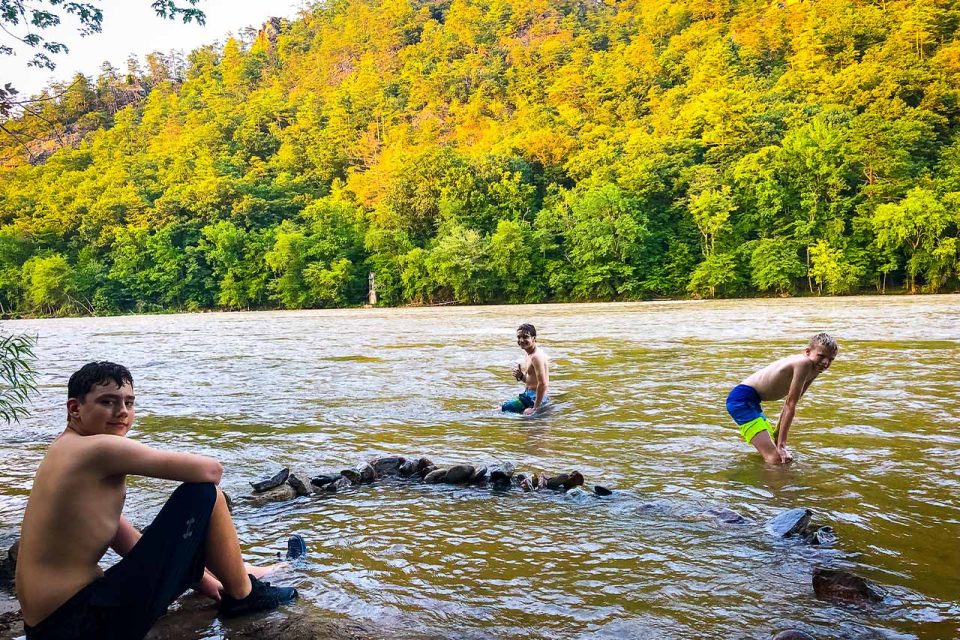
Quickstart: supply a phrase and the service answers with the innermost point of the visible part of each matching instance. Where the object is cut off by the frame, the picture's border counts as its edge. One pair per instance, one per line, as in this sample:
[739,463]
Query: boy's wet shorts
[523,401]
[743,405]
[133,593]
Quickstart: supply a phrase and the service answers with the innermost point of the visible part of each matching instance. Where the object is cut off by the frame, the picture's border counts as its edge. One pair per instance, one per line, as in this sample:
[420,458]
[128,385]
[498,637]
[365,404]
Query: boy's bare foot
[259,572]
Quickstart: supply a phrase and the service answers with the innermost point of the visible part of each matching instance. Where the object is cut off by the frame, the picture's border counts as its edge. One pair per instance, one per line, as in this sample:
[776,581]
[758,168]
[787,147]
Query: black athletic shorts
[133,593]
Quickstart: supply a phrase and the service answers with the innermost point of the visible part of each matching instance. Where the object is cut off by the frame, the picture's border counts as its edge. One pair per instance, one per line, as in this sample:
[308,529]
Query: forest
[481,151]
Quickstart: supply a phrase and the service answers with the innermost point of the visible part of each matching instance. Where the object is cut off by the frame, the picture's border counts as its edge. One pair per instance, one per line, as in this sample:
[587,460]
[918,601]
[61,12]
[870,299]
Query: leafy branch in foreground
[17,375]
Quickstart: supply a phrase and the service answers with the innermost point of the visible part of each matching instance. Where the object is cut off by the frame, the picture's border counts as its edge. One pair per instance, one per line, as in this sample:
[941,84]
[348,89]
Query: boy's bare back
[773,382]
[70,496]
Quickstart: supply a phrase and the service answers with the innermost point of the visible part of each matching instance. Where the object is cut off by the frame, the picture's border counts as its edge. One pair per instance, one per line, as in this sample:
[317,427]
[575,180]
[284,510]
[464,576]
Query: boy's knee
[198,491]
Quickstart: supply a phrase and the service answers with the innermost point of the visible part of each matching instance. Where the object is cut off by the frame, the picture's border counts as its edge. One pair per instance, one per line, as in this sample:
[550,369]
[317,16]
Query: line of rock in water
[285,485]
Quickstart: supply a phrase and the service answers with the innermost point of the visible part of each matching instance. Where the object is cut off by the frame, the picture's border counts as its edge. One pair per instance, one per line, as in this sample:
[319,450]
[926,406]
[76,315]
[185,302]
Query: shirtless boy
[534,373]
[788,377]
[74,514]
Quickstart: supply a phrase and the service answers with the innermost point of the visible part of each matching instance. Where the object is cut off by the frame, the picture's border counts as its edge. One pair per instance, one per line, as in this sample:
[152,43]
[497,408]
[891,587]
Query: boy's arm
[114,455]
[798,384]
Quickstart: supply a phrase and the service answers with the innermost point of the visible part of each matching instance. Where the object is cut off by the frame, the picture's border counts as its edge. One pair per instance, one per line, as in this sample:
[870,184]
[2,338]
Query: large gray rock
[435,476]
[500,475]
[277,494]
[479,476]
[459,474]
[352,475]
[324,479]
[388,465]
[423,463]
[367,473]
[338,485]
[726,516]
[789,523]
[408,469]
[842,586]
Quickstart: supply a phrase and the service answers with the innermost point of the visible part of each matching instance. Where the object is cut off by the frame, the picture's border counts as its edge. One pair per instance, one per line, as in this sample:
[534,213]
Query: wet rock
[352,475]
[789,523]
[324,479]
[336,486]
[478,476]
[578,495]
[793,634]
[602,491]
[435,476]
[557,482]
[388,465]
[407,469]
[277,494]
[500,474]
[228,500]
[541,482]
[298,485]
[275,481]
[575,480]
[726,516]
[8,566]
[367,473]
[426,471]
[459,474]
[843,586]
[821,536]
[424,463]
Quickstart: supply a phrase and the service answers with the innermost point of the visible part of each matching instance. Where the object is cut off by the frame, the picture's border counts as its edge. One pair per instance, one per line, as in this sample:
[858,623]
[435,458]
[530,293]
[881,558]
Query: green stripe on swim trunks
[749,429]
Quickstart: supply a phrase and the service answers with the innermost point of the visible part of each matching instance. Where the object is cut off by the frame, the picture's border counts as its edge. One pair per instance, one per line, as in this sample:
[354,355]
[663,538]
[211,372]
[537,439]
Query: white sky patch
[131,27]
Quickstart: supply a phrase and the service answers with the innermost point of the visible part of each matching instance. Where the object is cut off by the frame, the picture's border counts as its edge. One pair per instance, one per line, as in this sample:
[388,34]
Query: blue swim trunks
[743,405]
[523,401]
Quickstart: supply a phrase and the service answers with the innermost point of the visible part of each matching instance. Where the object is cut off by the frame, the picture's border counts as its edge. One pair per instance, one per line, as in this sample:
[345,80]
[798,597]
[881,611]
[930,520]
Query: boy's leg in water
[767,447]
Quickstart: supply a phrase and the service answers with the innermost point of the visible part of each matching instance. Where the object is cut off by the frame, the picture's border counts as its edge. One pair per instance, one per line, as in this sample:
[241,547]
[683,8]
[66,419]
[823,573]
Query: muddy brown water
[638,406]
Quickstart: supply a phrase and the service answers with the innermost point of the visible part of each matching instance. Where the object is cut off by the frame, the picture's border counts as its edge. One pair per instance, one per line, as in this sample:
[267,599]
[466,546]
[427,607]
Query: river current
[638,394]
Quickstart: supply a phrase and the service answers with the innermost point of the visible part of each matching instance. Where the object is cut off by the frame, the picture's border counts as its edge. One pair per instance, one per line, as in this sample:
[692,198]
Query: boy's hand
[209,586]
[529,411]
[785,455]
[518,373]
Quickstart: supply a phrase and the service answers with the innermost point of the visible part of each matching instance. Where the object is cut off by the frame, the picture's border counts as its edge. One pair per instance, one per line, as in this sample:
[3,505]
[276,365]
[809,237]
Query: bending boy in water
[534,373]
[74,514]
[788,377]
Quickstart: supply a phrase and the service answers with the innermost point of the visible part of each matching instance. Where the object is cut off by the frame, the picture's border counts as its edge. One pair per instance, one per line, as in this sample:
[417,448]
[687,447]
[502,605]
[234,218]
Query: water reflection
[638,398]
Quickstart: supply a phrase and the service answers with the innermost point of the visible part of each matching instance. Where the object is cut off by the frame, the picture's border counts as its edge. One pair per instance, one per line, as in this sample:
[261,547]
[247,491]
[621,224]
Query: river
[638,393]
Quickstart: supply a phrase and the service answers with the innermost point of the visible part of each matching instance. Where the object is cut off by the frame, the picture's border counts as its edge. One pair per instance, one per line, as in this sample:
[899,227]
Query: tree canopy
[513,150]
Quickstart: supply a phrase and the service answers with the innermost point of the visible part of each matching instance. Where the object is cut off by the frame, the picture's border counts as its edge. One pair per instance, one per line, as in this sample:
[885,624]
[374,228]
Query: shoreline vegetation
[453,303]
[508,152]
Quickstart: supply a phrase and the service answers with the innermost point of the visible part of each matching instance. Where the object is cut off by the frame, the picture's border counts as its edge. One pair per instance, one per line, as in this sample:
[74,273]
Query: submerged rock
[336,486]
[793,634]
[726,516]
[275,481]
[367,473]
[459,474]
[843,586]
[579,495]
[789,523]
[821,536]
[602,491]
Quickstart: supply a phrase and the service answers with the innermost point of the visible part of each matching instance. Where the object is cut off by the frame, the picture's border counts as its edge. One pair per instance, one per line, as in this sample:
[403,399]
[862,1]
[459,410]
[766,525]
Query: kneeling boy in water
[788,377]
[534,373]
[74,514]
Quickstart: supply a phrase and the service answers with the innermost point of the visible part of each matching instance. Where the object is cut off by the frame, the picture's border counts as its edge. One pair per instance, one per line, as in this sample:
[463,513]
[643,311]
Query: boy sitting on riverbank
[74,514]
[534,373]
[788,377]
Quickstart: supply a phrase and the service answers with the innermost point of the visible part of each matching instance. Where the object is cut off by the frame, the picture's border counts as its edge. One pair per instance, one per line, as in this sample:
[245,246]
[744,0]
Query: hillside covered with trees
[498,151]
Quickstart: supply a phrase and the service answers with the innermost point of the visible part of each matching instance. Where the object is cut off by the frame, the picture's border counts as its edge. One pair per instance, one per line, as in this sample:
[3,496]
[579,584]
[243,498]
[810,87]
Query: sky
[131,27]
